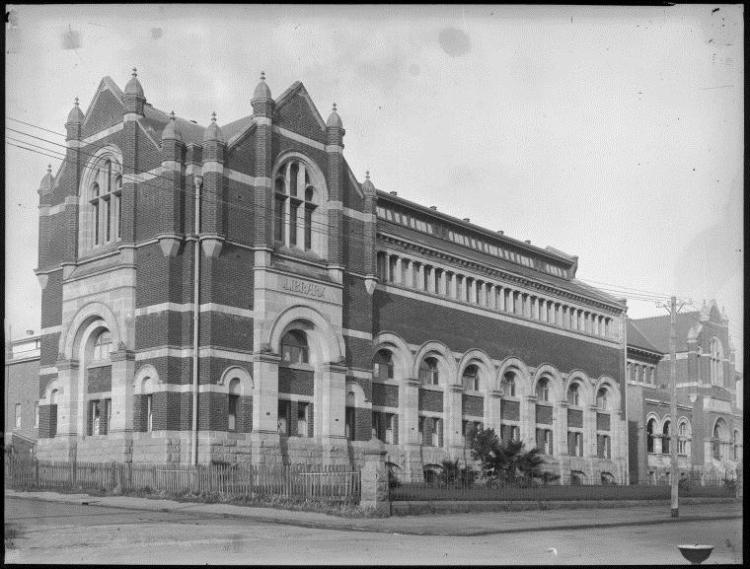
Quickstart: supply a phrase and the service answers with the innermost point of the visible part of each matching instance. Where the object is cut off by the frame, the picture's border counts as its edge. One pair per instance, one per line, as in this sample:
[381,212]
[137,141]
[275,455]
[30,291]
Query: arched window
[53,396]
[509,384]
[650,428]
[294,348]
[666,437]
[102,347]
[295,203]
[602,399]
[682,438]
[233,403]
[574,395]
[101,214]
[382,365]
[717,365]
[470,378]
[542,389]
[428,372]
[147,389]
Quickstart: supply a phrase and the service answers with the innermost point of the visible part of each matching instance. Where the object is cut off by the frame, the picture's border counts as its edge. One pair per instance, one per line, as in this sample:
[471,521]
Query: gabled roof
[656,330]
[297,88]
[637,339]
[157,119]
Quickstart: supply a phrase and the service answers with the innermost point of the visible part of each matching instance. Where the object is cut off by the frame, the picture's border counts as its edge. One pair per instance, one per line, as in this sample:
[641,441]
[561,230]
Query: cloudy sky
[611,133]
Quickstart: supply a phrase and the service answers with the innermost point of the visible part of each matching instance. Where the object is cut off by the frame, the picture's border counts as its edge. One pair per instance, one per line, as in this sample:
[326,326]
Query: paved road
[53,532]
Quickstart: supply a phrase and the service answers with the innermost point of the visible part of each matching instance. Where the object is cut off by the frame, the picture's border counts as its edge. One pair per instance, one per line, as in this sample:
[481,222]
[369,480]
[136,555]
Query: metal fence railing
[329,483]
[480,491]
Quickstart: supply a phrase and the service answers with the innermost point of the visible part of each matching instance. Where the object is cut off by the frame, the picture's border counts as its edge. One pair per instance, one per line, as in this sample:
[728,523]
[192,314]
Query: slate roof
[638,340]
[656,330]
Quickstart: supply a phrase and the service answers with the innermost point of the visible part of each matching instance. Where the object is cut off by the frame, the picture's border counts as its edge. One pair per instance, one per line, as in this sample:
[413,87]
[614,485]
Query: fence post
[374,489]
[36,472]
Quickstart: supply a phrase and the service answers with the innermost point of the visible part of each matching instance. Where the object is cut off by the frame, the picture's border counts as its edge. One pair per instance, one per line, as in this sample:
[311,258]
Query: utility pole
[672,309]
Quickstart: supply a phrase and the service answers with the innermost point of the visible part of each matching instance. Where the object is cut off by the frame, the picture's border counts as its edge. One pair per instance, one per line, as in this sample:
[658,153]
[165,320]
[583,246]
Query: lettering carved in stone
[303,287]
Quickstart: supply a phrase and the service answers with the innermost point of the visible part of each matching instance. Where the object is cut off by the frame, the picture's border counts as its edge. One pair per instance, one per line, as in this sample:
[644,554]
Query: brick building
[21,393]
[709,397]
[313,312]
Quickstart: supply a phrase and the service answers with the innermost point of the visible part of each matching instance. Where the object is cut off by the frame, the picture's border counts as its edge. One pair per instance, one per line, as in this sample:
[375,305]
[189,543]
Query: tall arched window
[542,389]
[509,384]
[470,378]
[650,432]
[233,403]
[428,372]
[666,437]
[296,200]
[574,395]
[382,365]
[682,438]
[294,348]
[98,370]
[717,365]
[101,214]
[602,398]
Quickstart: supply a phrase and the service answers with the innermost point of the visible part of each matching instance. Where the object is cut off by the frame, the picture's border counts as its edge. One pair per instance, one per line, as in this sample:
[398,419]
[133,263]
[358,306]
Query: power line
[36,126]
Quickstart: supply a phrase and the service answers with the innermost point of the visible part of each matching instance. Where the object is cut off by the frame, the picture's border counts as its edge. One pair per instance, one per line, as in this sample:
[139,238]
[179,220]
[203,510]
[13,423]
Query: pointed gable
[295,111]
[106,108]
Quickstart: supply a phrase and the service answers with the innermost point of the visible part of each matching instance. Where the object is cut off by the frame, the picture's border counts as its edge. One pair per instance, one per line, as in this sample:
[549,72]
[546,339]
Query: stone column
[123,371]
[589,431]
[420,276]
[374,482]
[501,298]
[330,401]
[528,420]
[397,276]
[560,429]
[452,403]
[266,395]
[69,407]
[492,410]
[408,402]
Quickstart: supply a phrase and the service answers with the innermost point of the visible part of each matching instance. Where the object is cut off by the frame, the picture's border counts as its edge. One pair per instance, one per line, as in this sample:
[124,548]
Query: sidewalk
[465,524]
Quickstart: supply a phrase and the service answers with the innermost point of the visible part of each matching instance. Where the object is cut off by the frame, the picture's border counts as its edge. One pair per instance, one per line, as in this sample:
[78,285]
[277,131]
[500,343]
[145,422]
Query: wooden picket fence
[328,483]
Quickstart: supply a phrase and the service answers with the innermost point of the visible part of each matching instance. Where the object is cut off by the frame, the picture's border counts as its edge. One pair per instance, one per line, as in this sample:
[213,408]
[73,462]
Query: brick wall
[358,352]
[602,421]
[357,315]
[362,424]
[386,395]
[510,410]
[52,301]
[472,405]
[544,414]
[49,349]
[100,379]
[418,322]
[296,115]
[296,381]
[430,400]
[575,418]
[107,112]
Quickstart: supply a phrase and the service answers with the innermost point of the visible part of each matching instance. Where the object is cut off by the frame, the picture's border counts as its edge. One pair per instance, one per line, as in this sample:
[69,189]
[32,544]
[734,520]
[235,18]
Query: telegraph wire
[318,227]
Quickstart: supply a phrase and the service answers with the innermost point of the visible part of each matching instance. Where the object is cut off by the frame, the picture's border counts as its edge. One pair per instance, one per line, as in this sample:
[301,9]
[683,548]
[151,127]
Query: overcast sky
[611,133]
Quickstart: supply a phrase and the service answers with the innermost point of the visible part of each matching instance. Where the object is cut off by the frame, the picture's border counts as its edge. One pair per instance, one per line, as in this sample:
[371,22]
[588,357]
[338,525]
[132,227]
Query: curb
[350,524]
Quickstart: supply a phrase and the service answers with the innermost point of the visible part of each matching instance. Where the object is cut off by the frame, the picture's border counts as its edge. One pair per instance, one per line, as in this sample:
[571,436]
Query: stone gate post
[374,483]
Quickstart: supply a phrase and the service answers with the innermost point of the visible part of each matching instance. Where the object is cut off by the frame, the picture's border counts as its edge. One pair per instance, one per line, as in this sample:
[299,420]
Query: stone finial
[171,132]
[262,91]
[213,132]
[134,86]
[75,115]
[334,120]
[368,187]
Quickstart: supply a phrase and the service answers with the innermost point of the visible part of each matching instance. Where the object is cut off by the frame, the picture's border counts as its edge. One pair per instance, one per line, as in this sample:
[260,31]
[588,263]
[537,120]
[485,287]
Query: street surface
[53,532]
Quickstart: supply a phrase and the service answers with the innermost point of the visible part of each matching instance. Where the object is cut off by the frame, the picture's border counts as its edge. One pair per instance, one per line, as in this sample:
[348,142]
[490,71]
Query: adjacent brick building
[709,429]
[313,311]
[21,394]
